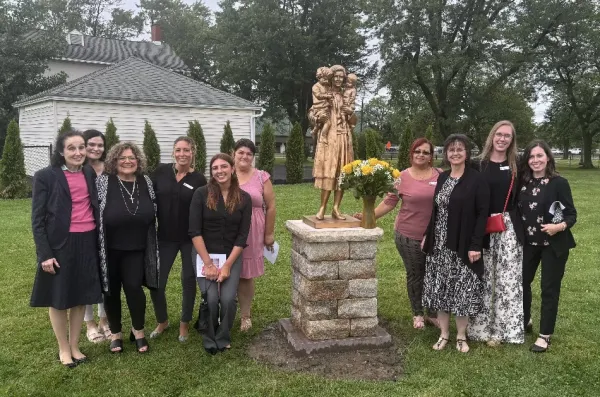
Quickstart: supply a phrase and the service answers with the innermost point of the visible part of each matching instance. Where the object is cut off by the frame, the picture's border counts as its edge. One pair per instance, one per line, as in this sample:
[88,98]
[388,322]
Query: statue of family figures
[332,119]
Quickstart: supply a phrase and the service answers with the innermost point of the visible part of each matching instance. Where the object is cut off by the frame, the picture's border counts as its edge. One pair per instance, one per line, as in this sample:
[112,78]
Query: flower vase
[368,213]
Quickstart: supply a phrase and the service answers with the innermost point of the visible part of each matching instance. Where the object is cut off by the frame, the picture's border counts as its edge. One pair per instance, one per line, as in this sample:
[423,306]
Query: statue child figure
[322,95]
[350,98]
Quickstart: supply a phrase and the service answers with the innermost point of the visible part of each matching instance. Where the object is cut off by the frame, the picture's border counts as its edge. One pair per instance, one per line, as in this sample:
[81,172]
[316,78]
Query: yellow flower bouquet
[368,179]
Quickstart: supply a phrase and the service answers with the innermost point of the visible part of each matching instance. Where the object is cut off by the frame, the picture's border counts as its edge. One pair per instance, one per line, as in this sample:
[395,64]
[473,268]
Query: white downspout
[253,124]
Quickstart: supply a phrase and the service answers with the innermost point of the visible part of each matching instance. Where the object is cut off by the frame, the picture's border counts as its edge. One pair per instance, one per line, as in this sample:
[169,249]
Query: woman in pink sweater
[416,191]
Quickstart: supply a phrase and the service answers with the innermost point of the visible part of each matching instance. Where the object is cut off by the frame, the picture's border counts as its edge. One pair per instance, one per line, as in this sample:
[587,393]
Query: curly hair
[112,158]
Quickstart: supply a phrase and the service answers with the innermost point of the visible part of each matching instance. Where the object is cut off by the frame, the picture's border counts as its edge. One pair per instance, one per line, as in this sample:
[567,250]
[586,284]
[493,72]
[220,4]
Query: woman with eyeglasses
[501,319]
[128,241]
[416,192]
[548,214]
[454,242]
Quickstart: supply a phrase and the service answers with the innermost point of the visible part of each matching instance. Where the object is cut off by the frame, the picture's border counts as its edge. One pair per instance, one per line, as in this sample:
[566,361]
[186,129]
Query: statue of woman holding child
[332,119]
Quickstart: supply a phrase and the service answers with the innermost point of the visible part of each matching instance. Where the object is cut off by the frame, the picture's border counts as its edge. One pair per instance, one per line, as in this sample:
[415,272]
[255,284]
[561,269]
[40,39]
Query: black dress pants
[168,252]
[553,269]
[125,268]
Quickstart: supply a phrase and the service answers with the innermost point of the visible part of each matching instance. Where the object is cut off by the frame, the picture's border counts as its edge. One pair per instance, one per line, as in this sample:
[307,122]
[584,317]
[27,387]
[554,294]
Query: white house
[86,54]
[132,91]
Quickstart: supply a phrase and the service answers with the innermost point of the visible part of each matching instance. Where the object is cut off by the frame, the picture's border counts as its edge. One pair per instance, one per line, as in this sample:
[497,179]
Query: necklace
[121,187]
[132,190]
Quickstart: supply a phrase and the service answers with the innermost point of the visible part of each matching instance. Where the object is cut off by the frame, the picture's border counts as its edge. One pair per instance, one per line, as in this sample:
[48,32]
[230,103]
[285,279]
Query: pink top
[417,204]
[82,215]
[253,264]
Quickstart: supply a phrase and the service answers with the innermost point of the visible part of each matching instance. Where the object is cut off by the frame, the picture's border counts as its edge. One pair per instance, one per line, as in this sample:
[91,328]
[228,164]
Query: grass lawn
[28,364]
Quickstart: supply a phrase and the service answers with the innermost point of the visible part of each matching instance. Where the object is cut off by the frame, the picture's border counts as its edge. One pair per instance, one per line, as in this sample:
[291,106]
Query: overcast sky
[539,107]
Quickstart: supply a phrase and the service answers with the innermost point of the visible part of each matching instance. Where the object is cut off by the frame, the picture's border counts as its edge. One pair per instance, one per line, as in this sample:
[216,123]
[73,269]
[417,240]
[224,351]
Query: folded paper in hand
[217,259]
[271,256]
[556,210]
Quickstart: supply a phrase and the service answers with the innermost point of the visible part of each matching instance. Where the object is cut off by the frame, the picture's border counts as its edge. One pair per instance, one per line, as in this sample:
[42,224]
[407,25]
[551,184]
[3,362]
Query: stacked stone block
[334,281]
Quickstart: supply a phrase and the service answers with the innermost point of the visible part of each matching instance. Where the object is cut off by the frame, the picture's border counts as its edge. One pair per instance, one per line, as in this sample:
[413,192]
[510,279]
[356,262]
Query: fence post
[50,154]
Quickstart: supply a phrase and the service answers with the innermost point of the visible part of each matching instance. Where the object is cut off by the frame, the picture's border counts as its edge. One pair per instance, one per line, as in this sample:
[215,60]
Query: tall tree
[503,103]
[13,181]
[568,64]
[266,152]
[404,149]
[227,141]
[442,48]
[294,156]
[151,147]
[110,135]
[269,51]
[65,127]
[374,146]
[188,29]
[24,56]
[197,134]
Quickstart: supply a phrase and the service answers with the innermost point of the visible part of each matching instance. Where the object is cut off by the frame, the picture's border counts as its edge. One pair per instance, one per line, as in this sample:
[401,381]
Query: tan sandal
[246,324]
[441,343]
[106,331]
[95,336]
[461,345]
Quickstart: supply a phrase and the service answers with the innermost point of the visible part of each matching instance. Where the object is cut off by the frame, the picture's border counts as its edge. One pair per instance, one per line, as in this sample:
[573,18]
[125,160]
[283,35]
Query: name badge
[188,186]
[433,183]
[504,168]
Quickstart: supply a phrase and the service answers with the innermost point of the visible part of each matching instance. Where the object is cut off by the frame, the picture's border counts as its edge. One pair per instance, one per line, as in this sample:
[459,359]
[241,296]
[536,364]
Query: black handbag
[201,324]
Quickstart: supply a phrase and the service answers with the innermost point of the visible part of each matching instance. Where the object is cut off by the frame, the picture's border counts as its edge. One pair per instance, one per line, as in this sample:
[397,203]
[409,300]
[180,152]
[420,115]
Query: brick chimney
[156,34]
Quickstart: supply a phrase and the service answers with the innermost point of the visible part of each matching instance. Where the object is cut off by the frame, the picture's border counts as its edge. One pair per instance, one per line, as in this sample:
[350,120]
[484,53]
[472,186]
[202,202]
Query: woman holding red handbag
[501,319]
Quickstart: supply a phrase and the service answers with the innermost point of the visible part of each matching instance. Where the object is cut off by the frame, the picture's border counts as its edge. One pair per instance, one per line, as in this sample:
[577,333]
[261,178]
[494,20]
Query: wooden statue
[331,119]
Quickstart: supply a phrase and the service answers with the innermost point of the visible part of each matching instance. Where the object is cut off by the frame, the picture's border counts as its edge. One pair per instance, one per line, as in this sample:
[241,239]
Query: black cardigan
[467,217]
[51,207]
[558,189]
[515,215]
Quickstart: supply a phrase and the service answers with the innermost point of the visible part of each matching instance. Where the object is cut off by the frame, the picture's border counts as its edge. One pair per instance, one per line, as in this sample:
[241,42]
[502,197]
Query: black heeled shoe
[539,349]
[139,343]
[67,365]
[116,344]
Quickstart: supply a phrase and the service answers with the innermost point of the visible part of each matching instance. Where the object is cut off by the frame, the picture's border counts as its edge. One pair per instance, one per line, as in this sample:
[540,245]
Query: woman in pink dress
[257,183]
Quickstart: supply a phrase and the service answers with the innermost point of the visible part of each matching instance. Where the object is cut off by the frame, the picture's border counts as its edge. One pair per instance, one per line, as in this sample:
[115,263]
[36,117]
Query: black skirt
[77,281]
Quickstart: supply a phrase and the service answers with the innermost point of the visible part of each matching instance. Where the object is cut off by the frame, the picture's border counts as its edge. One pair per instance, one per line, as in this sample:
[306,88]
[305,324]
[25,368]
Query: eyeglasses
[500,135]
[130,158]
[423,152]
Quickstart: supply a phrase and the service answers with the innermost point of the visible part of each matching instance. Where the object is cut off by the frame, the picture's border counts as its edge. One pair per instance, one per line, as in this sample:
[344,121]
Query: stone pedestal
[334,295]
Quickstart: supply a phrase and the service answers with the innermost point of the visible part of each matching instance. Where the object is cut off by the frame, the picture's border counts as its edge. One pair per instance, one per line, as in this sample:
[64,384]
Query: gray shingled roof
[135,80]
[100,49]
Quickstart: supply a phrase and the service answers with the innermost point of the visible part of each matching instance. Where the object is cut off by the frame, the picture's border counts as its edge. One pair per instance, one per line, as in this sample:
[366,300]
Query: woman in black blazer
[548,214]
[454,242]
[64,214]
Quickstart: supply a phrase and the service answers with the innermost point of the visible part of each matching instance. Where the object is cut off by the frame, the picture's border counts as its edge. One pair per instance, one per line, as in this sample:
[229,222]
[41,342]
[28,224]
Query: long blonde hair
[511,152]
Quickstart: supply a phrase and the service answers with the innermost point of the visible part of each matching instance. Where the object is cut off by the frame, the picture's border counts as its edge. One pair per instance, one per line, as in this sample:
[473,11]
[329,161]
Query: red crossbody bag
[495,223]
